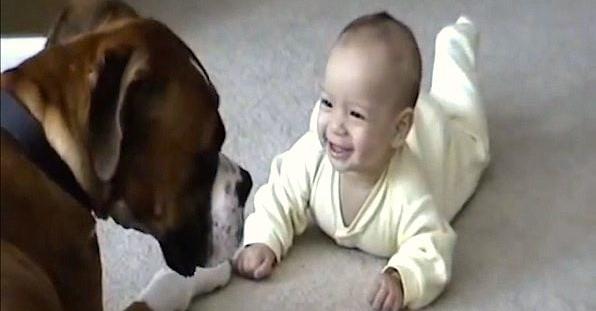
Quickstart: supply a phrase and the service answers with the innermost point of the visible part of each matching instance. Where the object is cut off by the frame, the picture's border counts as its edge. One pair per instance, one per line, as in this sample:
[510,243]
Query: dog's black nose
[243,187]
[186,247]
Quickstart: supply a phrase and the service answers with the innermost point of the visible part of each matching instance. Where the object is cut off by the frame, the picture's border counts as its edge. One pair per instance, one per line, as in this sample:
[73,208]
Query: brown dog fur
[50,256]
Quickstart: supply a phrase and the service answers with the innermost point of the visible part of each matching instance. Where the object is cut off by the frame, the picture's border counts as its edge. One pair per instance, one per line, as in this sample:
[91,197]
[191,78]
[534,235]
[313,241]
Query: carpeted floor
[527,239]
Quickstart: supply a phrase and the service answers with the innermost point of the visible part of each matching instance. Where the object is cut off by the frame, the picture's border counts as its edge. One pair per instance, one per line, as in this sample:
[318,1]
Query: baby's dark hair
[383,26]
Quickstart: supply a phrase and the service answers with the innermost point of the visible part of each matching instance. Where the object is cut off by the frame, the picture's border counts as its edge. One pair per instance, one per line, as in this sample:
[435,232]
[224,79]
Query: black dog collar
[20,123]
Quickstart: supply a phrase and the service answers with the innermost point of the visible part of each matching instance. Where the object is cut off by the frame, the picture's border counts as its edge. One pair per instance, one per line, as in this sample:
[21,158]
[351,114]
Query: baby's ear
[403,124]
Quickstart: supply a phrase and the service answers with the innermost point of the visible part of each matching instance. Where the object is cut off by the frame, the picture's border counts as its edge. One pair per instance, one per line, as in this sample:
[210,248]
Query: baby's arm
[280,208]
[423,259]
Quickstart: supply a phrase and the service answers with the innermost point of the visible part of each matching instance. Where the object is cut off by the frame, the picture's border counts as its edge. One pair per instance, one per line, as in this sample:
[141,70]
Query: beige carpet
[526,240]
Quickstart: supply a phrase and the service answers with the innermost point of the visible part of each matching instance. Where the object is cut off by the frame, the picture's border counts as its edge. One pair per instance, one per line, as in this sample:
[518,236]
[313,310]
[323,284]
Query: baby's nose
[337,125]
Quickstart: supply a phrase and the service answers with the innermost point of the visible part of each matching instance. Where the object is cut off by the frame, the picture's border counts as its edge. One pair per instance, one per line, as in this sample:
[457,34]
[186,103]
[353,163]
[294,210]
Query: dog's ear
[55,32]
[116,72]
[86,16]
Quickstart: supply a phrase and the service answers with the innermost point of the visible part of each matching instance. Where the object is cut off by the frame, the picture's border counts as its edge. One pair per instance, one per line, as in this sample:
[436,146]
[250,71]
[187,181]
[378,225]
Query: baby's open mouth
[337,152]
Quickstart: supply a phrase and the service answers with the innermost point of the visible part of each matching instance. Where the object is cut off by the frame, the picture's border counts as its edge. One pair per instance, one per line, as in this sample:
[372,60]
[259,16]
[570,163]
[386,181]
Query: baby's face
[358,116]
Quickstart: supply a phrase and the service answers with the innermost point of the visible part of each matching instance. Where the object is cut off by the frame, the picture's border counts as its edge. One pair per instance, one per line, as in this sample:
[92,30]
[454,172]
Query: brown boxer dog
[116,117]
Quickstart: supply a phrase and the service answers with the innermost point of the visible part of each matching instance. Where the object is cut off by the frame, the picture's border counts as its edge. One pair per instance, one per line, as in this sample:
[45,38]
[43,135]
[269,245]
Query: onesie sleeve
[281,205]
[425,248]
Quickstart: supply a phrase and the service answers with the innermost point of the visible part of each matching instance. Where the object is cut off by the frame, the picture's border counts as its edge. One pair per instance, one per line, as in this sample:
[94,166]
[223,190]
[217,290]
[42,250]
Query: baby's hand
[386,293]
[255,261]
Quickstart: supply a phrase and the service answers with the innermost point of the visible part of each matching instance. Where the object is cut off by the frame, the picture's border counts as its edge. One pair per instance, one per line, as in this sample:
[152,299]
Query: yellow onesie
[406,215]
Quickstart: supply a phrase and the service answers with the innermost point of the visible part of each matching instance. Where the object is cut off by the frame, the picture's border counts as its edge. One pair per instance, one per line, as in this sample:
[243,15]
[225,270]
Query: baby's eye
[357,115]
[326,103]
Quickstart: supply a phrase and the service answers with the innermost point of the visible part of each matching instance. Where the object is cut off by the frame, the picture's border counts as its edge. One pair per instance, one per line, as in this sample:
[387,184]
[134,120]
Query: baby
[380,169]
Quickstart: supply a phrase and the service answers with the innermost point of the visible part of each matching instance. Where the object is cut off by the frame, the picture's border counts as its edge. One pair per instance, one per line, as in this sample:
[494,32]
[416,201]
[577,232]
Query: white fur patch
[168,290]
[226,212]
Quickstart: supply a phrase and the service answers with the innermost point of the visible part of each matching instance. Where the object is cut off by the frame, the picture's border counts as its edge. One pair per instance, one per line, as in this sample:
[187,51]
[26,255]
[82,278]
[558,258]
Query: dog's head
[207,236]
[135,116]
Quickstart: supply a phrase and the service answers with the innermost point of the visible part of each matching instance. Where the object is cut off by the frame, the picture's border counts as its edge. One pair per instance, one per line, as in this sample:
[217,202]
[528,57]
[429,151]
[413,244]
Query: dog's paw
[168,291]
[208,279]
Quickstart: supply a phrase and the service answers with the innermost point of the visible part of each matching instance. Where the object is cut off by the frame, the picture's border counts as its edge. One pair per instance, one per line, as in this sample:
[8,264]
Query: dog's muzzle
[215,238]
[231,189]
[210,237]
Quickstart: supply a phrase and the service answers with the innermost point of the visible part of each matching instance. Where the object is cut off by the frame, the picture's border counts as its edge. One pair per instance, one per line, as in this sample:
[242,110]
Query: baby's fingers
[264,269]
[380,296]
[372,291]
[245,265]
[390,302]
[239,264]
